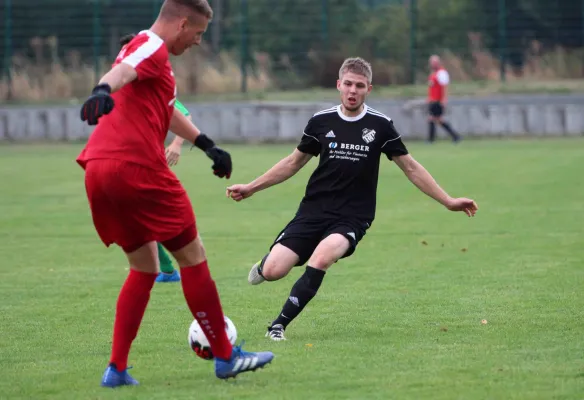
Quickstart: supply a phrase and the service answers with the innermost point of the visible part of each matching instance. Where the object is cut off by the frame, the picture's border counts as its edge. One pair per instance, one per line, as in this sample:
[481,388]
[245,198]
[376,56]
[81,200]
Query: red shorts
[132,205]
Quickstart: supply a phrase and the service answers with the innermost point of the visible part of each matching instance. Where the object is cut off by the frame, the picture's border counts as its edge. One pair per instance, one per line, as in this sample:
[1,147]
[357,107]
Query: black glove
[98,104]
[222,166]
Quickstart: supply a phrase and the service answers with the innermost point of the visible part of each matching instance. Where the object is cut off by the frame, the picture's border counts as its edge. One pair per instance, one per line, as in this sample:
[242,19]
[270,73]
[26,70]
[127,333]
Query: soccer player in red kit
[136,200]
[437,96]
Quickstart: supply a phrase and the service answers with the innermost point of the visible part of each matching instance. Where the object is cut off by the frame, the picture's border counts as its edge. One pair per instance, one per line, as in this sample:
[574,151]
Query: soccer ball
[199,343]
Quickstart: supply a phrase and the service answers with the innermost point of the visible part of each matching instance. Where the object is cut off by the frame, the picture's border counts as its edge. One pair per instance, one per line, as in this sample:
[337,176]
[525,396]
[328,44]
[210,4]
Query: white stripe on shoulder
[145,50]
[378,114]
[327,111]
[390,140]
[314,137]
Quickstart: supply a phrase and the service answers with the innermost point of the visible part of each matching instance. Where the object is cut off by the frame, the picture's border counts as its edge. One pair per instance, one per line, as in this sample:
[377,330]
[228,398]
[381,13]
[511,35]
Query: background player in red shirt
[136,200]
[437,97]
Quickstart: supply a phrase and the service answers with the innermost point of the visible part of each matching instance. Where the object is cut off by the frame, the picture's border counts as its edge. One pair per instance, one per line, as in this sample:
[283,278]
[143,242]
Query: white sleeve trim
[443,77]
[311,137]
[390,140]
[144,51]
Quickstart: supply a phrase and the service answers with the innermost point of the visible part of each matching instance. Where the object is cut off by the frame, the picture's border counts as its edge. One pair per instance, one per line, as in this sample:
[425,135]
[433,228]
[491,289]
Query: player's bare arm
[283,170]
[174,149]
[183,127]
[420,177]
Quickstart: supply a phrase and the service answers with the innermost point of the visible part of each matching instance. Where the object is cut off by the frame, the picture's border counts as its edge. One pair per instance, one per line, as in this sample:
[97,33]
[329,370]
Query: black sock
[450,131]
[302,292]
[431,131]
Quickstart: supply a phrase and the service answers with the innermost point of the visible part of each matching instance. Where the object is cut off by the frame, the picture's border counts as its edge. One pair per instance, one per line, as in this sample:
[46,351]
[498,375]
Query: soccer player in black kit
[340,199]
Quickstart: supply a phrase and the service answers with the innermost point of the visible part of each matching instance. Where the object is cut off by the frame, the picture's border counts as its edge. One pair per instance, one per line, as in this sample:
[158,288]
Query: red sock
[130,308]
[203,300]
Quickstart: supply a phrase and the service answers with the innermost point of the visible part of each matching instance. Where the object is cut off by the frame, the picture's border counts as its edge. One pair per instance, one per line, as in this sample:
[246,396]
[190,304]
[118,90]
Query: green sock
[165,261]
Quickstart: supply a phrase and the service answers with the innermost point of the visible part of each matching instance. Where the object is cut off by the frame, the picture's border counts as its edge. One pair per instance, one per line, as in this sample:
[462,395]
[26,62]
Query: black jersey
[345,181]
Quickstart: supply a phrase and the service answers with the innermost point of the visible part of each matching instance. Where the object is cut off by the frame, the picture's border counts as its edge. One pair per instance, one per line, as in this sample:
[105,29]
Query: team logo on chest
[368,135]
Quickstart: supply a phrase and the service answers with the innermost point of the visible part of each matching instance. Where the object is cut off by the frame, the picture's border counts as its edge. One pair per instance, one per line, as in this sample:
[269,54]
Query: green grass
[400,319]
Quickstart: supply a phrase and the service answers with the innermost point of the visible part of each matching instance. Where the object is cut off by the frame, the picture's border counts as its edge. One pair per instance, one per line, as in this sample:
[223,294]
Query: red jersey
[136,128]
[436,83]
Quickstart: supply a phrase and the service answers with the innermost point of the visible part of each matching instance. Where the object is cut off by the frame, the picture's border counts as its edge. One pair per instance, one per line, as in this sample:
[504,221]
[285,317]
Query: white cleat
[254,277]
[276,333]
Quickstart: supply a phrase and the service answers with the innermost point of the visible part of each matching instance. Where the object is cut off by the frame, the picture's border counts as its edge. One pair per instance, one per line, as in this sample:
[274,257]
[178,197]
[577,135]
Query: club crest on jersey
[368,135]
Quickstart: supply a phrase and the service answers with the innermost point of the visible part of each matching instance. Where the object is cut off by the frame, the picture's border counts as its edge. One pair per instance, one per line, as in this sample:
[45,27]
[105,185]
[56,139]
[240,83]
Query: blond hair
[358,66]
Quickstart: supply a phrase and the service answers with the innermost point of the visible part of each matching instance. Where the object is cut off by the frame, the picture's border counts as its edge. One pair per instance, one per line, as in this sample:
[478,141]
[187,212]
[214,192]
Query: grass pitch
[400,319]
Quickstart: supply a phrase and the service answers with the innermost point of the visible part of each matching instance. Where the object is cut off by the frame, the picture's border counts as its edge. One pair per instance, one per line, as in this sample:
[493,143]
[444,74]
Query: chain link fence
[57,49]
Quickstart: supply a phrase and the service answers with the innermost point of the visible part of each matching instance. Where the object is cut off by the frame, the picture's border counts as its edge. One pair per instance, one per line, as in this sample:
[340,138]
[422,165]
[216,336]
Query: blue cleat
[241,361]
[113,378]
[174,277]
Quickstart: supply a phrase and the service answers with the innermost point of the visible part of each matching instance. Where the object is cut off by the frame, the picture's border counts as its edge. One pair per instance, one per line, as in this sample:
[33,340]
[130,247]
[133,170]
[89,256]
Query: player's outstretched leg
[203,300]
[130,309]
[167,271]
[274,265]
[302,292]
[328,251]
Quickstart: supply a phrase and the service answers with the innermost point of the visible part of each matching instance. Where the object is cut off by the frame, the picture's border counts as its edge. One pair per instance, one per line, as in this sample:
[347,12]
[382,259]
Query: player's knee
[272,271]
[144,258]
[274,268]
[272,274]
[191,254]
[322,261]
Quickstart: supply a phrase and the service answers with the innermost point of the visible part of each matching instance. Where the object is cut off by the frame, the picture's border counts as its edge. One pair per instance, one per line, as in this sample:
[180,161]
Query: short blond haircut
[358,66]
[175,8]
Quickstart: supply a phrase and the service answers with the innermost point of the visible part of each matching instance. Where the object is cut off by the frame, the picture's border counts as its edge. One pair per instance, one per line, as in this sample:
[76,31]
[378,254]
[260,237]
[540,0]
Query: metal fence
[55,49]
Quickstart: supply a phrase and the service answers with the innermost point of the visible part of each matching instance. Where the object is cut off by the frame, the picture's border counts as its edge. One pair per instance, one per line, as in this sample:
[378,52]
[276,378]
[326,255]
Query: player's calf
[328,251]
[301,294]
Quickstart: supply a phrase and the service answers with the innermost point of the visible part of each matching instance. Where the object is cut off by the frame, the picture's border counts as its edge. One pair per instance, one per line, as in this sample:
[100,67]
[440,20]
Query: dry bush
[46,77]
[204,72]
[539,63]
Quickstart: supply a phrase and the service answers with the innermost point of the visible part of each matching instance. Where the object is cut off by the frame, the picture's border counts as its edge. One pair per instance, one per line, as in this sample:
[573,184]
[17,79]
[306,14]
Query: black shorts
[304,233]
[435,109]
